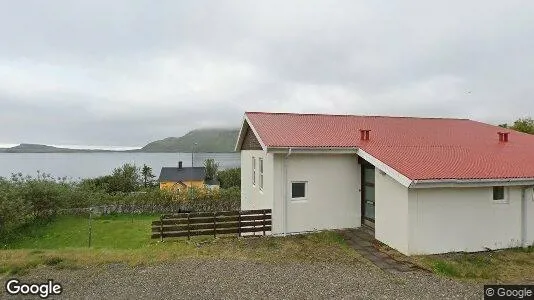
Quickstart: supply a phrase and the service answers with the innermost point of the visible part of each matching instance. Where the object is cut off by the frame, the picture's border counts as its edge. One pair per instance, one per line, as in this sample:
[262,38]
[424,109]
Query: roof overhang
[314,150]
[402,179]
[444,183]
[242,131]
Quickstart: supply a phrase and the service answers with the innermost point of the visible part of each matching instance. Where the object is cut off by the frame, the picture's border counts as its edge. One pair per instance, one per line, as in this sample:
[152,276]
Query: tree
[525,125]
[211,168]
[148,176]
[230,178]
[125,179]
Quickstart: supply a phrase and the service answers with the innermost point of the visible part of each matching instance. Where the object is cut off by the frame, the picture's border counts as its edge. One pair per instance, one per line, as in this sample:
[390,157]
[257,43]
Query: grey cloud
[128,72]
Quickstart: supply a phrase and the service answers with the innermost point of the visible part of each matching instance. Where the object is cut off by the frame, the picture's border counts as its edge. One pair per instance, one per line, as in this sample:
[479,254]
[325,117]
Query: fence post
[188,227]
[90,225]
[263,223]
[214,225]
[161,228]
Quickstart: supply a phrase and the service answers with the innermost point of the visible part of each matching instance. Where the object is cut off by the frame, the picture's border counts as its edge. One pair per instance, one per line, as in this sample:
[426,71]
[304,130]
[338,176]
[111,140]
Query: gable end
[250,141]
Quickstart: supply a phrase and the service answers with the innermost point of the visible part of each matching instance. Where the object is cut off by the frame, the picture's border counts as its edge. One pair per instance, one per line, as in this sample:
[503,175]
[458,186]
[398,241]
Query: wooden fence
[208,223]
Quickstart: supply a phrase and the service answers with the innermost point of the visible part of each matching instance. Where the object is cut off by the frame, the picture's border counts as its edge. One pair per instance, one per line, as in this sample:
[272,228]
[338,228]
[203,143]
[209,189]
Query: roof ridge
[183,167]
[351,115]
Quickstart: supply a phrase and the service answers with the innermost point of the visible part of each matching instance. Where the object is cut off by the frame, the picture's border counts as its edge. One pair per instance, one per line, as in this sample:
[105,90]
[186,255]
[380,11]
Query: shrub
[211,168]
[125,179]
[25,200]
[230,178]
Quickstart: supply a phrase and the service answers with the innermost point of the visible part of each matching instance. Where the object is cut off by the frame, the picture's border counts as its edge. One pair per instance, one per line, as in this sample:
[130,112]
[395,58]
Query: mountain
[36,148]
[208,140]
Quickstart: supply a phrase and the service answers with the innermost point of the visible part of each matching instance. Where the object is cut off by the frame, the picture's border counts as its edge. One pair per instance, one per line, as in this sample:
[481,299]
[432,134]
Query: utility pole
[191,172]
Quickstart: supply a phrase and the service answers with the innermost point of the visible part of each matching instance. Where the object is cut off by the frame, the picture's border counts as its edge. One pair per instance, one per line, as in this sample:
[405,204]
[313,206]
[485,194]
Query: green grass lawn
[502,266]
[109,232]
[63,243]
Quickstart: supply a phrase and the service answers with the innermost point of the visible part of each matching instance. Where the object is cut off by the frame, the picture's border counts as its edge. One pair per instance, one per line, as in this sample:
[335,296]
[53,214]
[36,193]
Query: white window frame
[305,198]
[506,198]
[261,173]
[253,171]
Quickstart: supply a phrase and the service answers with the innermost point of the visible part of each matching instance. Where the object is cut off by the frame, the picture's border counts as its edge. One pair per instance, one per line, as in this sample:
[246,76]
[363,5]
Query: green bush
[15,211]
[230,178]
[26,200]
[125,179]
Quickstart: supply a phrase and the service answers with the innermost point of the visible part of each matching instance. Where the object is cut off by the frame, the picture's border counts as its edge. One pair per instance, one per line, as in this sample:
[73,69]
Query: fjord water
[76,166]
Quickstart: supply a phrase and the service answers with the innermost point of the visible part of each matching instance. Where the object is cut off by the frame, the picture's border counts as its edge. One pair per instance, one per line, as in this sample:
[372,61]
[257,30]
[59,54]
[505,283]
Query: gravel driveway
[215,279]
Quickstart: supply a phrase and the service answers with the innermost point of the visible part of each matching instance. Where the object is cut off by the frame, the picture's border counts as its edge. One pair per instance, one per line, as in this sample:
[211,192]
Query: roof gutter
[338,150]
[432,183]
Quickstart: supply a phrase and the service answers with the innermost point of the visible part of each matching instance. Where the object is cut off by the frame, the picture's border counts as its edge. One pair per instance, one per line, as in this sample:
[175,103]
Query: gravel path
[216,279]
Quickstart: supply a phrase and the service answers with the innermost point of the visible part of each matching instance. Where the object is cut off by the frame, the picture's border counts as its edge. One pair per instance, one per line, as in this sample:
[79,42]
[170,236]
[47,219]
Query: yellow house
[176,179]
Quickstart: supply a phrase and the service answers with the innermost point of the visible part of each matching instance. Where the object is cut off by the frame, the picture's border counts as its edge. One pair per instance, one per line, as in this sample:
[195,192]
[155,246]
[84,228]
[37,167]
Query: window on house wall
[499,193]
[261,173]
[253,171]
[298,190]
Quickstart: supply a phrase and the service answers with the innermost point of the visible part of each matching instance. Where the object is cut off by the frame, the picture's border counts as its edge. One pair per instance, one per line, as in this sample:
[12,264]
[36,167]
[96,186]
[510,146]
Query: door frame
[365,165]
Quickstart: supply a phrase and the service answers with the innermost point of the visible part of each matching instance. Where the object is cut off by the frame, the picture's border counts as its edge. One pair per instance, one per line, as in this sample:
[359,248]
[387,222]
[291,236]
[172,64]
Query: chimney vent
[503,136]
[364,134]
[179,165]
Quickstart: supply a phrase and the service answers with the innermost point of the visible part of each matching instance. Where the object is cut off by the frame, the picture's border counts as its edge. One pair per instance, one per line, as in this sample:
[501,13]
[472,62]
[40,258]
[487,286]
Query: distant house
[178,178]
[211,184]
[423,185]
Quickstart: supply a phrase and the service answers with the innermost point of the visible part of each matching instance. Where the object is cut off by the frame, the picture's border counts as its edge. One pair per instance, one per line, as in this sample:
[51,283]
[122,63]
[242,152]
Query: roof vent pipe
[503,136]
[364,134]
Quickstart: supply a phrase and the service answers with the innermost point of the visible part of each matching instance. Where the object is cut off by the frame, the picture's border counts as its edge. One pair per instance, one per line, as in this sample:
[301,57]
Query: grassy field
[504,266]
[109,232]
[63,243]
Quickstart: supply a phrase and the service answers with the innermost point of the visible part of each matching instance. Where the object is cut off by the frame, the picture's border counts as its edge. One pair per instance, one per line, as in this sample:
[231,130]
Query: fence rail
[208,223]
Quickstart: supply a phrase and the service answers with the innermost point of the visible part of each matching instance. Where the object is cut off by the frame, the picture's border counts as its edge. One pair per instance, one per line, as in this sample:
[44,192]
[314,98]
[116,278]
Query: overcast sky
[128,72]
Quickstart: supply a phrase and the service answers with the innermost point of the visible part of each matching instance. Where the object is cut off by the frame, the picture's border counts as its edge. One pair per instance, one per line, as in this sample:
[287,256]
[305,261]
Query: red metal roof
[418,148]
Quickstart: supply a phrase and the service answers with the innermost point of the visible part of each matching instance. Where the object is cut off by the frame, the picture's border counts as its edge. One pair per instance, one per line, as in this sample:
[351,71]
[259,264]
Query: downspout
[524,215]
[284,213]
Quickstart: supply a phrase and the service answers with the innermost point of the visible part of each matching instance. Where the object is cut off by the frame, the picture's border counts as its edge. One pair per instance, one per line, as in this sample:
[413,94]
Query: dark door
[368,194]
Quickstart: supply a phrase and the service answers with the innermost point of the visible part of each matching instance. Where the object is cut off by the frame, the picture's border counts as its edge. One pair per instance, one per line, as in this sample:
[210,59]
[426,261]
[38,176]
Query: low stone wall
[148,209]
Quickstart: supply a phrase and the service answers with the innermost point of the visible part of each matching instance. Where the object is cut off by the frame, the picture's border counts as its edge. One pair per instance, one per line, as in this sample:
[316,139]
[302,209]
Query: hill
[208,140]
[37,148]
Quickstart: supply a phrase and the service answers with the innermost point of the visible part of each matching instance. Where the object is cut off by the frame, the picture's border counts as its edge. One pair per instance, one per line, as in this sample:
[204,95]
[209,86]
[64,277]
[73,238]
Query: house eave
[443,183]
[314,150]
[241,136]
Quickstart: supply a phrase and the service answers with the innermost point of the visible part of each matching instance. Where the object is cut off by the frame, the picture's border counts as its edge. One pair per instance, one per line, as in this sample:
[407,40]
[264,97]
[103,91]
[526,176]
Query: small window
[253,171]
[498,193]
[298,190]
[261,173]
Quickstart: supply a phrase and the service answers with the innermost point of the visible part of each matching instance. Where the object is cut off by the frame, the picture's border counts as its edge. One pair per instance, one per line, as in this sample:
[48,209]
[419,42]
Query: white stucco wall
[391,212]
[530,216]
[333,197]
[252,197]
[463,219]
[413,221]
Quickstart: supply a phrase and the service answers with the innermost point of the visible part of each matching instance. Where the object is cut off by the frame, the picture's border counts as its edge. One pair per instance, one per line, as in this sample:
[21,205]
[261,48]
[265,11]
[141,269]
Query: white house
[425,185]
